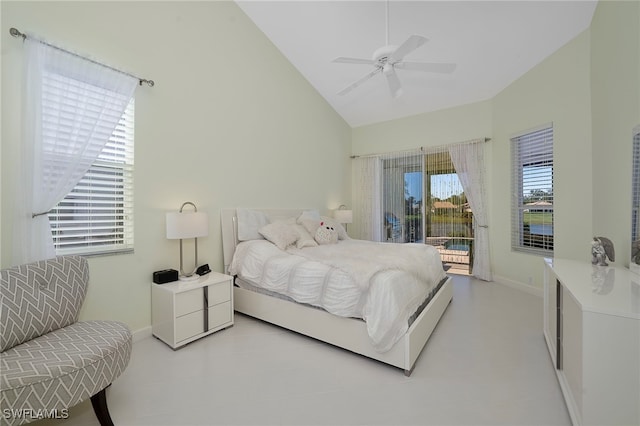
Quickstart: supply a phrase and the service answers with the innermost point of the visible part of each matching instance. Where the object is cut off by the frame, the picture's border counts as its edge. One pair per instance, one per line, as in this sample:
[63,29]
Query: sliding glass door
[449,219]
[402,199]
[423,202]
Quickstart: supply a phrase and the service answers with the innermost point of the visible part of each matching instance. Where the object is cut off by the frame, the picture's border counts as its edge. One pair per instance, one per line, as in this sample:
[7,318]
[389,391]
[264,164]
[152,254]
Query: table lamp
[343,215]
[182,225]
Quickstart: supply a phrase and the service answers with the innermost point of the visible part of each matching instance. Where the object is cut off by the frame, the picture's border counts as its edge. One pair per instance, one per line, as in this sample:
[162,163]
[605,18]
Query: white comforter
[381,283]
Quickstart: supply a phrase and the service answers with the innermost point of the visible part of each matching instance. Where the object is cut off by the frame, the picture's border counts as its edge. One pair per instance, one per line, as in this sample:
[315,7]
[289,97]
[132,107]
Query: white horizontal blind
[532,198]
[97,215]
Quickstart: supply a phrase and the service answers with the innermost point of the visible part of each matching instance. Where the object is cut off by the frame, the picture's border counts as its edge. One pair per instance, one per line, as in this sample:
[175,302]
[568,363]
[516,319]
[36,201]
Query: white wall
[229,123]
[615,86]
[558,91]
[437,128]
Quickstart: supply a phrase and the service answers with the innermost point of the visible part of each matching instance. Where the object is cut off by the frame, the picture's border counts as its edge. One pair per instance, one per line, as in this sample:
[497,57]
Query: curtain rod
[422,148]
[14,32]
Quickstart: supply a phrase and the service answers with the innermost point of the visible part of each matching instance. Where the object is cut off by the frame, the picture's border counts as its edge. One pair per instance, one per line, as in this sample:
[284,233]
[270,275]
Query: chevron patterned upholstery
[49,361]
[41,297]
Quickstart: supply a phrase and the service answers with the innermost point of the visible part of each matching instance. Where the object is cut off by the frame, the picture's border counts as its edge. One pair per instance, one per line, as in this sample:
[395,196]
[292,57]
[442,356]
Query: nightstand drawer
[189,301]
[220,314]
[189,325]
[219,293]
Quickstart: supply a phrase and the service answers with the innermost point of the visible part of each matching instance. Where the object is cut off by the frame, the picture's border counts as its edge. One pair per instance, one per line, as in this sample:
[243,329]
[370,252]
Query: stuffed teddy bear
[326,234]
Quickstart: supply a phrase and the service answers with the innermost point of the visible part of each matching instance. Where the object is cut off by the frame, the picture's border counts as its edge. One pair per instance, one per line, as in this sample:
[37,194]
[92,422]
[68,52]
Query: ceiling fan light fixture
[386,58]
[382,54]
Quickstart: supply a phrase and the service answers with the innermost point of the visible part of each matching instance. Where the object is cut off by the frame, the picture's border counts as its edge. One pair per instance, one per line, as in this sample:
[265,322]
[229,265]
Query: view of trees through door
[424,202]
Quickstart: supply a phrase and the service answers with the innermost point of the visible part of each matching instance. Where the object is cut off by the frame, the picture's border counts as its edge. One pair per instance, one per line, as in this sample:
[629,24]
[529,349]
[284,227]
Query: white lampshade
[343,216]
[187,225]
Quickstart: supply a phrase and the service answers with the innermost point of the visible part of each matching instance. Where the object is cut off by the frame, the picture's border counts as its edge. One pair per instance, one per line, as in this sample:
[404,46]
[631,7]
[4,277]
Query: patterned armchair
[48,360]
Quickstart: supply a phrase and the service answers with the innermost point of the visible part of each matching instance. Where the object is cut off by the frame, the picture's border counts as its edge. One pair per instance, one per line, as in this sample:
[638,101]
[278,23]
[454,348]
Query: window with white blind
[96,217]
[532,198]
[635,197]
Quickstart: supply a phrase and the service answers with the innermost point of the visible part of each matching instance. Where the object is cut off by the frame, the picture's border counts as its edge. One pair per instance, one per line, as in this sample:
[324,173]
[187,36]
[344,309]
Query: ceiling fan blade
[359,82]
[344,60]
[426,67]
[394,83]
[411,44]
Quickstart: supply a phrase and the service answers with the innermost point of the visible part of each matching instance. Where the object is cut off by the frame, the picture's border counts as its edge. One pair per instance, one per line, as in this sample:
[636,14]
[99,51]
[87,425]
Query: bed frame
[347,333]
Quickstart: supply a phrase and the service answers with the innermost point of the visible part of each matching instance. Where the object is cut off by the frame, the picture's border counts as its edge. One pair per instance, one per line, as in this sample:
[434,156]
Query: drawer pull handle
[205,289]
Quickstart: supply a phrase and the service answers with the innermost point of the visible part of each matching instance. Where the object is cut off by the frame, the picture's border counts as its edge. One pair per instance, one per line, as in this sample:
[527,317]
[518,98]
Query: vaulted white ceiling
[493,43]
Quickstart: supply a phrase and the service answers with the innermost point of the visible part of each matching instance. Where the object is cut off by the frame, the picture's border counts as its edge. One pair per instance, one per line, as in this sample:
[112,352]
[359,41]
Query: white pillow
[309,215]
[342,233]
[249,222]
[304,238]
[280,233]
[311,225]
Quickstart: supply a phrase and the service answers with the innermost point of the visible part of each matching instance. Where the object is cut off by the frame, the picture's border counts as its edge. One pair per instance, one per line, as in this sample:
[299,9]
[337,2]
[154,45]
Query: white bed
[348,333]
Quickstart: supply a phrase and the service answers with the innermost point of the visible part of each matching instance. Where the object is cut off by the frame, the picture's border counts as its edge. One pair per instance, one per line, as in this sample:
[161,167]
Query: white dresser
[592,329]
[183,311]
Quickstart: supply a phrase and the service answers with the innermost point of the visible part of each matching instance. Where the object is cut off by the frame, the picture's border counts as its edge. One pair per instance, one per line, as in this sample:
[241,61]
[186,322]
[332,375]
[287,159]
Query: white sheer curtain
[367,200]
[402,174]
[71,107]
[468,160]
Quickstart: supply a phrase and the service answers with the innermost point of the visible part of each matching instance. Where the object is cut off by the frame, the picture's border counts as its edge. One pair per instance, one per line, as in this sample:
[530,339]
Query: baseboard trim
[142,333]
[518,285]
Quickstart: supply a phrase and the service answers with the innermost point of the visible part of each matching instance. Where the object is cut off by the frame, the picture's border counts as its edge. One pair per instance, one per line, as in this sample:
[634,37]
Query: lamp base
[192,277]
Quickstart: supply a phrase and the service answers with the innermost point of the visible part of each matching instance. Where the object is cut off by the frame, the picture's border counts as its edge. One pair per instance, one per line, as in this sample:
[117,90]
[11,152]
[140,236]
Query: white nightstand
[184,311]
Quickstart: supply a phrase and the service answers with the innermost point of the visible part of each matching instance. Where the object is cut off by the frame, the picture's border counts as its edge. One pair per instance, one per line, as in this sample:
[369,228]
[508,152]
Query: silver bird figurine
[601,249]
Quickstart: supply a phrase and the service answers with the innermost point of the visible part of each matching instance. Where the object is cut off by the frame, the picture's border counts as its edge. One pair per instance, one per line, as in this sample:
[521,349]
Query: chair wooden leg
[99,402]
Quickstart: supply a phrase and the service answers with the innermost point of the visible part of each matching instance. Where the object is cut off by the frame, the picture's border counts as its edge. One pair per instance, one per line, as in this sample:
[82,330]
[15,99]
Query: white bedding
[381,283]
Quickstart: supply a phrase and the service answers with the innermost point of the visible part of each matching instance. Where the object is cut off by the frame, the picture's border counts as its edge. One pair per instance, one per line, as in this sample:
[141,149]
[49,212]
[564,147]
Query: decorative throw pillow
[249,222]
[280,233]
[304,238]
[311,225]
[326,234]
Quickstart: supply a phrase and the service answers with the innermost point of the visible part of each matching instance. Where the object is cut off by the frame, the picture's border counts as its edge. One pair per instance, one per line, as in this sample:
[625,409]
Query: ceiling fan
[388,58]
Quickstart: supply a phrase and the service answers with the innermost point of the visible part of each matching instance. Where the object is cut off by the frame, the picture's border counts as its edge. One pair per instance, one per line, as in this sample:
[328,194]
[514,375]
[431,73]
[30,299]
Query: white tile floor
[486,363]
